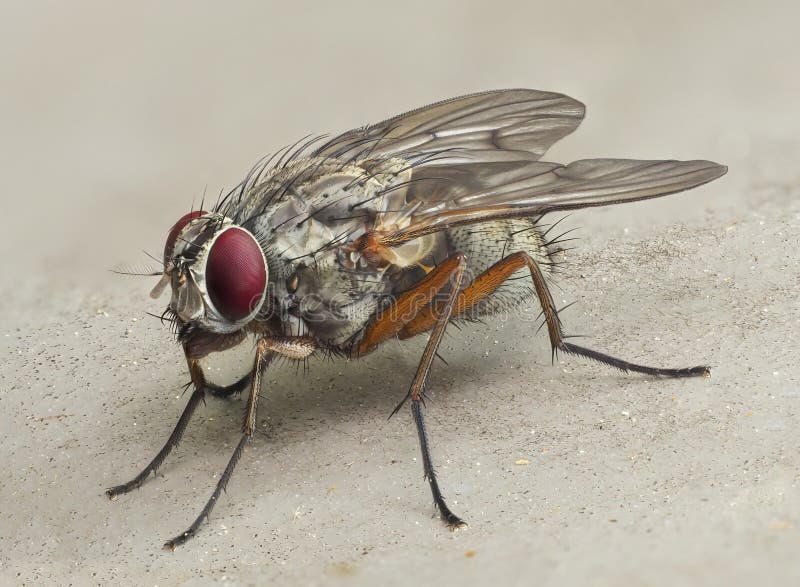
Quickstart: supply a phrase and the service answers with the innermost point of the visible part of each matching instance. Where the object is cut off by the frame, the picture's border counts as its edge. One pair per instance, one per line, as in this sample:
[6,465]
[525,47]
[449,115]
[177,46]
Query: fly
[390,231]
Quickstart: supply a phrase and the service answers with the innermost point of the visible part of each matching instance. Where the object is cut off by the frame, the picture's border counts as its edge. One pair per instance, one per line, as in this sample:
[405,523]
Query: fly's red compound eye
[176,230]
[236,275]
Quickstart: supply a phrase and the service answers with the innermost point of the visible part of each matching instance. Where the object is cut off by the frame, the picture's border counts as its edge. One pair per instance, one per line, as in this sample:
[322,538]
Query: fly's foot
[453,521]
[114,492]
[178,540]
[699,371]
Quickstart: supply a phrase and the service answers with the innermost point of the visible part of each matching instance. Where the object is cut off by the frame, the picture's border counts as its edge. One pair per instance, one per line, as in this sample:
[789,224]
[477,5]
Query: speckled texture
[628,481]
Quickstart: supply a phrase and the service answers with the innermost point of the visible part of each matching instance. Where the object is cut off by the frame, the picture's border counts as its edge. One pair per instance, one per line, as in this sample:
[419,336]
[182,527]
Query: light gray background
[115,118]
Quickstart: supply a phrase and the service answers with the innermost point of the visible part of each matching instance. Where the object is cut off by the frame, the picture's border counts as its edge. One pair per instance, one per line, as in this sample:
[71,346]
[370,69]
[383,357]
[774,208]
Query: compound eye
[236,275]
[176,229]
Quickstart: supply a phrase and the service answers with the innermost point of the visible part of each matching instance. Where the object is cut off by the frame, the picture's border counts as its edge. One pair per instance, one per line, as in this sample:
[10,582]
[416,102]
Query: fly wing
[476,158]
[499,133]
[460,161]
[510,123]
[541,187]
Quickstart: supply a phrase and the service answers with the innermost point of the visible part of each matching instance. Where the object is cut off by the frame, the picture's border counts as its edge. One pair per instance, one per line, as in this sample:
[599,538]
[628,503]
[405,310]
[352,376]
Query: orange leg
[407,306]
[458,262]
[482,287]
[490,280]
[401,312]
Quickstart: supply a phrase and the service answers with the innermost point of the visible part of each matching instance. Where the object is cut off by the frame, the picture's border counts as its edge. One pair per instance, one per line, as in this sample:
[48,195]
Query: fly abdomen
[487,243]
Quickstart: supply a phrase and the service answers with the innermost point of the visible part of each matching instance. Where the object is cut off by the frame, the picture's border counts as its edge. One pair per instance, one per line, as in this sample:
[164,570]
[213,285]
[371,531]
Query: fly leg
[298,348]
[407,306]
[200,344]
[195,347]
[491,279]
[198,395]
[417,385]
[228,390]
[392,321]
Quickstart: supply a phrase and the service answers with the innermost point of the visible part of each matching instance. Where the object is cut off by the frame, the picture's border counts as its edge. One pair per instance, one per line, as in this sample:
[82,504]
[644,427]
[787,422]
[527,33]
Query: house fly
[386,232]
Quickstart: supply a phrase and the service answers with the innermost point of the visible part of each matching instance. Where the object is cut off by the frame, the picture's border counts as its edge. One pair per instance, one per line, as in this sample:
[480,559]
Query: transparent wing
[541,187]
[476,158]
[498,132]
[466,160]
[509,123]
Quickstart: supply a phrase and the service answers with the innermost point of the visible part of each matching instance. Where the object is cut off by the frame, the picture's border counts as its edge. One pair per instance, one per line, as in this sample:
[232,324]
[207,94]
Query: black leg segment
[221,484]
[172,442]
[699,371]
[229,390]
[452,520]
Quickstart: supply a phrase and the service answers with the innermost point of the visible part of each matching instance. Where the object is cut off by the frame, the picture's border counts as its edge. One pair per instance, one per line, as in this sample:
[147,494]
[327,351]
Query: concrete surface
[117,118]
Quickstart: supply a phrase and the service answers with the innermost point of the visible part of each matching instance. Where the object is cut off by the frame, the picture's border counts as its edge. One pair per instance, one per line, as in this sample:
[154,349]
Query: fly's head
[217,271]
